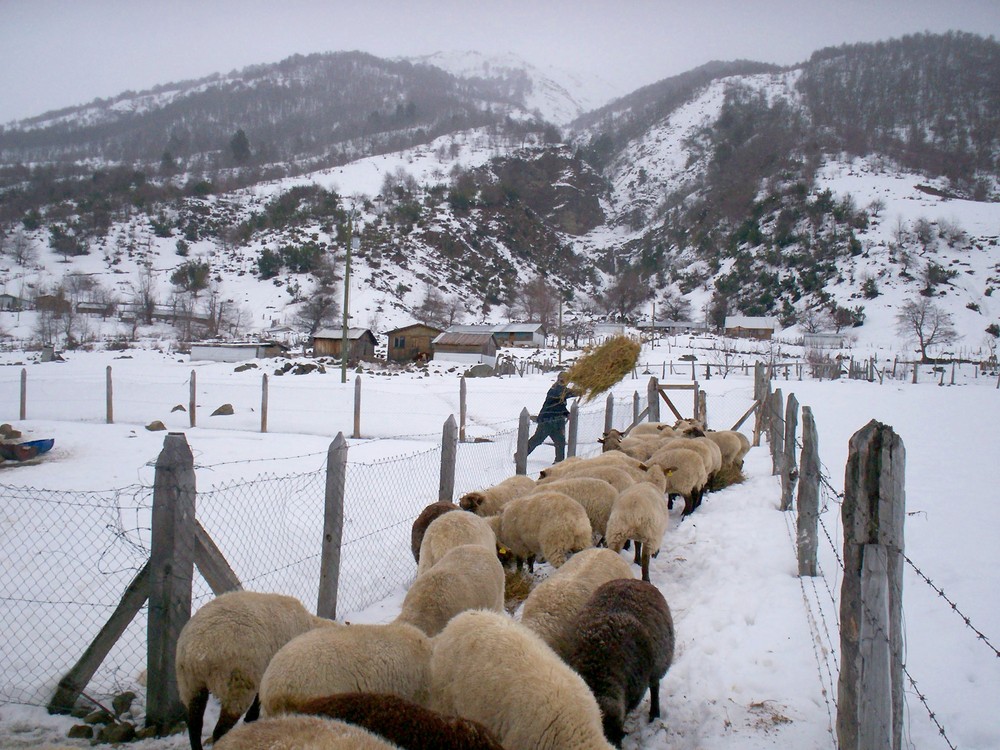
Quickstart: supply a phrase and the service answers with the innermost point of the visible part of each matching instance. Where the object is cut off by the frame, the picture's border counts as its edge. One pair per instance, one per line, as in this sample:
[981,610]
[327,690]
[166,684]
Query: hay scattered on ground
[724,477]
[517,586]
[600,367]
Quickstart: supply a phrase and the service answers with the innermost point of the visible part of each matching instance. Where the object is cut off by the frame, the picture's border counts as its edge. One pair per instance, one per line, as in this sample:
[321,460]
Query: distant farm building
[824,340]
[466,348]
[747,327]
[411,343]
[360,343]
[219,351]
[10,302]
[520,334]
[675,327]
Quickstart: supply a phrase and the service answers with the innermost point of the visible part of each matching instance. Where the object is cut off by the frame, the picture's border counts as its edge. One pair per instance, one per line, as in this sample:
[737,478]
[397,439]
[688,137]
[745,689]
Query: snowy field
[755,667]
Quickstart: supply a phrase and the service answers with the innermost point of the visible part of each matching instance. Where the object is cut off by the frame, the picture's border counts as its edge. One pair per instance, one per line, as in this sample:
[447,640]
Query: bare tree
[813,321]
[537,301]
[674,306]
[625,294]
[433,309]
[321,309]
[21,248]
[144,293]
[924,322]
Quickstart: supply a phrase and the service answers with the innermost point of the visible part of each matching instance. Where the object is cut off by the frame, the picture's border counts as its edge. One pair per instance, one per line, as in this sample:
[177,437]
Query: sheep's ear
[643,467]
[600,440]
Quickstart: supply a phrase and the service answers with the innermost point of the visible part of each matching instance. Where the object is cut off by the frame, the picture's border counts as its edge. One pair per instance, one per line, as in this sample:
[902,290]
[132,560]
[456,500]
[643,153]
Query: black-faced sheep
[391,658]
[552,605]
[453,530]
[467,577]
[622,643]
[595,495]
[404,723]
[685,475]
[490,502]
[226,646]
[490,669]
[422,521]
[544,524]
[302,733]
[639,514]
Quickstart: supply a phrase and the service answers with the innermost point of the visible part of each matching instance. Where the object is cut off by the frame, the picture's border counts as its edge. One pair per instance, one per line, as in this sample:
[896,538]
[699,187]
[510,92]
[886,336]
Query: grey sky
[56,53]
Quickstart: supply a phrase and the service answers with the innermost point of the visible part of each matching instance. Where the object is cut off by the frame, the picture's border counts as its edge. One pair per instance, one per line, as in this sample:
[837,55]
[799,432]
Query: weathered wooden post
[870,690]
[609,413]
[171,571]
[653,400]
[24,394]
[789,471]
[333,527]
[574,428]
[702,407]
[636,410]
[263,403]
[357,408]
[776,431]
[109,399]
[462,408]
[192,400]
[521,454]
[808,499]
[449,457]
[915,366]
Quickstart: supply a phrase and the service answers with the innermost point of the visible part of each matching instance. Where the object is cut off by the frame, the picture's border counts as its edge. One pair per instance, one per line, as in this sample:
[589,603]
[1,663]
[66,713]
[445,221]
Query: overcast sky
[57,53]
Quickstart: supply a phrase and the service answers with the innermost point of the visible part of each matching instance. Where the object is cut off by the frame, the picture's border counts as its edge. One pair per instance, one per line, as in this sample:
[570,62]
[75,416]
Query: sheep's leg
[227,720]
[638,552]
[698,495]
[253,713]
[654,698]
[688,505]
[645,562]
[196,717]
[531,564]
[628,544]
[670,500]
[520,563]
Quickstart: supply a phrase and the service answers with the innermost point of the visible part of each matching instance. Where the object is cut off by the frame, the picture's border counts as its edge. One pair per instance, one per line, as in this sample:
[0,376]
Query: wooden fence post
[357,408]
[109,398]
[462,408]
[776,431]
[192,400]
[333,527]
[24,394]
[870,690]
[788,465]
[702,407]
[574,427]
[807,503]
[915,366]
[171,570]
[609,413]
[449,457]
[263,403]
[521,456]
[636,410]
[653,400]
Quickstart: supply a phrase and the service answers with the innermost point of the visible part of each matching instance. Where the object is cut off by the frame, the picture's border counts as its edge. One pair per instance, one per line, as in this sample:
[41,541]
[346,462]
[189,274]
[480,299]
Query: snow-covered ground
[755,665]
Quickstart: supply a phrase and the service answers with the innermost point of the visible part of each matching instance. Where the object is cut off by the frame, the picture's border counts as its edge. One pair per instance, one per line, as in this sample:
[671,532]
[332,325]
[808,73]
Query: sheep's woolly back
[453,530]
[403,722]
[301,733]
[490,669]
[389,658]
[227,644]
[611,458]
[701,447]
[640,514]
[490,502]
[467,577]
[552,606]
[596,496]
[655,429]
[621,643]
[684,469]
[545,524]
[615,476]
[422,521]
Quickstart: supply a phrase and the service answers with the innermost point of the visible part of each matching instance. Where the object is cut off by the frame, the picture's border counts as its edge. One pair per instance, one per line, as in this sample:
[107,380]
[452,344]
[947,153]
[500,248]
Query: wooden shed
[520,334]
[411,343]
[748,327]
[361,343]
[466,348]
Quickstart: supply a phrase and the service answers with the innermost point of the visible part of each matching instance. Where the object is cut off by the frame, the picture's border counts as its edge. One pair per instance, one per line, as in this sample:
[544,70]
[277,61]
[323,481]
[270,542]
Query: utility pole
[352,243]
[559,356]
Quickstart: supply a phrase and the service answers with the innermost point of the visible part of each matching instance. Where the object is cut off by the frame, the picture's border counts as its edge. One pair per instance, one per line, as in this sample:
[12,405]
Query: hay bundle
[602,366]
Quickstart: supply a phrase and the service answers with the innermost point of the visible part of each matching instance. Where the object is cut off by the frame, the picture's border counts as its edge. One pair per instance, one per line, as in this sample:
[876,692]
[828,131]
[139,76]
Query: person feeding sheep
[552,417]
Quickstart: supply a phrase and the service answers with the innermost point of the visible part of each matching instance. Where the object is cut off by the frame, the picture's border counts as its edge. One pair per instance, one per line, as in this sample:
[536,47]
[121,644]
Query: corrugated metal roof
[338,333]
[519,328]
[452,338]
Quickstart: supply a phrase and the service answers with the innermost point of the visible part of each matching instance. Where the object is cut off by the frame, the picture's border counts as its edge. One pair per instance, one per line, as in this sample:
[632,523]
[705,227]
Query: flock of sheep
[454,670]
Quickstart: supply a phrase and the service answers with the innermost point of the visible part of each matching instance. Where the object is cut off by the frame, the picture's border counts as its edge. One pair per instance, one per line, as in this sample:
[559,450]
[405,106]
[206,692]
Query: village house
[467,348]
[240,351]
[748,327]
[411,343]
[520,334]
[361,343]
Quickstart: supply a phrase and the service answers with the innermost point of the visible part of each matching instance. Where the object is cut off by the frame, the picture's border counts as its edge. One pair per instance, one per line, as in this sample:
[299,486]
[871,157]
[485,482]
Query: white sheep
[453,530]
[390,658]
[611,458]
[488,668]
[224,649]
[657,429]
[490,502]
[639,514]
[467,577]
[553,604]
[613,475]
[595,495]
[730,445]
[303,732]
[685,474]
[544,524]
[710,454]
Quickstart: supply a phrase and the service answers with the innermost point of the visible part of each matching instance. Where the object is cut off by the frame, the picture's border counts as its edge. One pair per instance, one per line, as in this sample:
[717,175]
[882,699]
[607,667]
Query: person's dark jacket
[554,406]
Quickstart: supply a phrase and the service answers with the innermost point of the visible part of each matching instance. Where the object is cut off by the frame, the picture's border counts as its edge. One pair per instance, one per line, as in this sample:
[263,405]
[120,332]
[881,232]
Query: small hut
[466,348]
[411,343]
[360,343]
